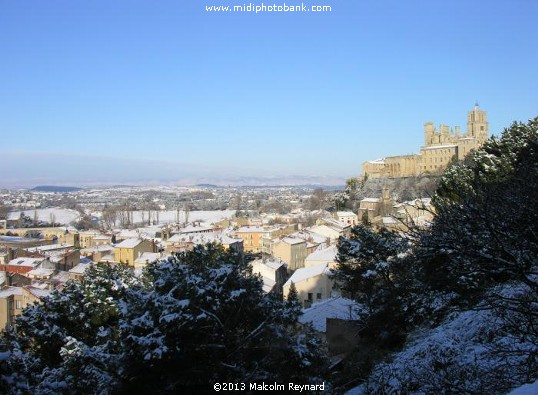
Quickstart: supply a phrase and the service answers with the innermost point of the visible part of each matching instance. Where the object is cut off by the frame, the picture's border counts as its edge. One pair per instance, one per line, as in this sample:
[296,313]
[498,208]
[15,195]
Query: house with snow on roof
[146,258]
[194,229]
[272,272]
[96,253]
[130,249]
[347,217]
[374,207]
[328,232]
[64,256]
[312,284]
[337,321]
[125,234]
[14,299]
[23,265]
[87,238]
[186,242]
[326,255]
[77,273]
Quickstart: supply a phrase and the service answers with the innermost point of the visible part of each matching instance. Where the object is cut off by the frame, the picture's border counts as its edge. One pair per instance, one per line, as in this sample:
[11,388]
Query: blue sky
[124,90]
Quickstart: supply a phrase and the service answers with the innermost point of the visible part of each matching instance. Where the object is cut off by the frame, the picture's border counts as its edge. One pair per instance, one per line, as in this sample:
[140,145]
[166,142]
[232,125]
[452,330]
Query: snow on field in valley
[170,216]
[61,215]
[66,216]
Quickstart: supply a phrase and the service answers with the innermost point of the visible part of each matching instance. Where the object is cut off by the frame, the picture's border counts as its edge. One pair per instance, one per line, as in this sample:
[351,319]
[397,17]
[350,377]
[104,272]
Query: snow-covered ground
[170,216]
[61,215]
[472,351]
[65,216]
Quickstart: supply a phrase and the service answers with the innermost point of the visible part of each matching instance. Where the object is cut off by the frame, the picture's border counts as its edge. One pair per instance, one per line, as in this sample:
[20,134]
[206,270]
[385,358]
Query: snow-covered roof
[128,234]
[389,221]
[346,214]
[371,200]
[176,238]
[273,264]
[433,147]
[129,243]
[41,272]
[24,261]
[49,247]
[148,257]
[318,313]
[292,240]
[327,255]
[107,258]
[99,248]
[204,238]
[247,229]
[9,291]
[102,237]
[194,229]
[307,272]
[336,223]
[322,229]
[80,268]
[306,235]
[38,292]
[422,202]
[61,277]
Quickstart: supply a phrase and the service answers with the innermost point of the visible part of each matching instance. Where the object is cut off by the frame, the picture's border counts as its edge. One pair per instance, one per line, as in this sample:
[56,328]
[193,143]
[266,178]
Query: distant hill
[53,188]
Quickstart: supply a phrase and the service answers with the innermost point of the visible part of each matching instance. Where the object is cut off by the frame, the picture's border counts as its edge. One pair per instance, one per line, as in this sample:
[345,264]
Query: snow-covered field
[166,217]
[65,216]
[61,215]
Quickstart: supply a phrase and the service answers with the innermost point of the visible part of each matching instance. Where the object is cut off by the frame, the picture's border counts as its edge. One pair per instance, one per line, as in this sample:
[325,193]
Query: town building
[130,249]
[347,217]
[273,274]
[14,299]
[186,242]
[313,284]
[291,250]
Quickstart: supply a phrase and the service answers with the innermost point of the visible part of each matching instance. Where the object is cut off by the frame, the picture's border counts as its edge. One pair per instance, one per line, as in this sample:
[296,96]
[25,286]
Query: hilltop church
[440,147]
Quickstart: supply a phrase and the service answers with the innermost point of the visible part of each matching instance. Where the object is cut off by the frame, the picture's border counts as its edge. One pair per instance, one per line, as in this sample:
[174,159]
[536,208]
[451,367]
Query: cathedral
[440,147]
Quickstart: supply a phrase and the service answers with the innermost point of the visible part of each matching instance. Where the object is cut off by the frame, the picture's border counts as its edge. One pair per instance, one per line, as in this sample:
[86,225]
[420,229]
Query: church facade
[440,148]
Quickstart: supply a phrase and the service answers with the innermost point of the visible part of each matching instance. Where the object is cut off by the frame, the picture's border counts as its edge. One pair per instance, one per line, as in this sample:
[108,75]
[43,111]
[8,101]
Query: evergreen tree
[373,269]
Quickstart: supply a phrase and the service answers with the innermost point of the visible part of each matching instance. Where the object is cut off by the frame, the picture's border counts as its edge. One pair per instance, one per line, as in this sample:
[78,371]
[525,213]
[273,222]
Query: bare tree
[187,210]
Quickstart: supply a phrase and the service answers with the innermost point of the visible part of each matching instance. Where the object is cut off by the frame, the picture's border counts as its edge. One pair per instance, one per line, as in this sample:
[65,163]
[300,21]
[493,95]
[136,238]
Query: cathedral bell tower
[477,124]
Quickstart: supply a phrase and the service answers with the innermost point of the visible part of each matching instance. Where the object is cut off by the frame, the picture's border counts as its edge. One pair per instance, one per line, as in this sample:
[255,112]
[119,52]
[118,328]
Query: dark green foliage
[373,270]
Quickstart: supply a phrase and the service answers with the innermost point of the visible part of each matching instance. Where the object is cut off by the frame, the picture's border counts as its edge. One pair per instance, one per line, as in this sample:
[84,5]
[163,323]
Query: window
[310,297]
[18,304]
[318,296]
